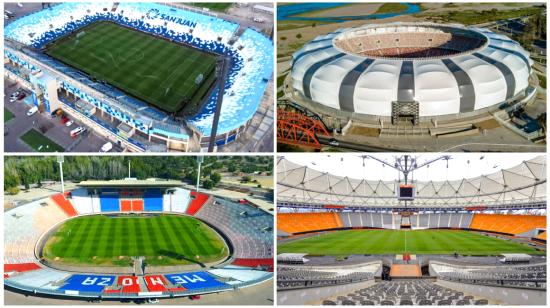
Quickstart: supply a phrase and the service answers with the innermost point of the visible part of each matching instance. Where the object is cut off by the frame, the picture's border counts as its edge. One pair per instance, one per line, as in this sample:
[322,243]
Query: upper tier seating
[289,277]
[542,236]
[370,220]
[305,222]
[441,220]
[249,229]
[510,224]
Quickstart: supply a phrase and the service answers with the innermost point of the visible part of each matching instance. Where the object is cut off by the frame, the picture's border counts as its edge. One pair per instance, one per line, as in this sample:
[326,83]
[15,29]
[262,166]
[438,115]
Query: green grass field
[398,242]
[220,7]
[154,70]
[40,143]
[162,240]
[8,115]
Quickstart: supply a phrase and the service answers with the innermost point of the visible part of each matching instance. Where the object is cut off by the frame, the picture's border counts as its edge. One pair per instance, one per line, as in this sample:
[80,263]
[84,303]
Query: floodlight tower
[222,68]
[60,160]
[200,159]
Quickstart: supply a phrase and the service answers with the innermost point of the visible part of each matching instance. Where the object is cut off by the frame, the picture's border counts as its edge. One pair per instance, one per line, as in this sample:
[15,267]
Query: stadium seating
[267,262]
[109,200]
[509,224]
[197,201]
[129,284]
[441,220]
[45,278]
[515,276]
[411,292]
[152,200]
[296,277]
[64,204]
[155,283]
[24,226]
[306,222]
[249,229]
[20,268]
[370,220]
[542,236]
[176,200]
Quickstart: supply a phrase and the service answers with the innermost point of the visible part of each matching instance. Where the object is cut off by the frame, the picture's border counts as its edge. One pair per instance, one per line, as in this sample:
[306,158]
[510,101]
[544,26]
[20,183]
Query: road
[352,146]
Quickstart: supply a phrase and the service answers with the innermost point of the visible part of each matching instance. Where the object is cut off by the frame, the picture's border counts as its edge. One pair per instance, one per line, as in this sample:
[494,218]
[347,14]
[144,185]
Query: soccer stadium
[465,229]
[137,240]
[145,76]
[422,72]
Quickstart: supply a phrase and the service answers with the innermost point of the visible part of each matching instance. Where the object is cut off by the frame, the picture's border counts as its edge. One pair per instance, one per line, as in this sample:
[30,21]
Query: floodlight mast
[200,159]
[60,160]
[407,164]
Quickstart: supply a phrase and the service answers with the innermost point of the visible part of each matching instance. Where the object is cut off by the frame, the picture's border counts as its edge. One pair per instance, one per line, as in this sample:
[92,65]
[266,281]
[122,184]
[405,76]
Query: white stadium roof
[466,81]
[522,184]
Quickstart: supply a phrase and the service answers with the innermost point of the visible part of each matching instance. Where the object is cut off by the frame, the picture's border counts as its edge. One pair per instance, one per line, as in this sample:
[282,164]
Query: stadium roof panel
[520,184]
[131,183]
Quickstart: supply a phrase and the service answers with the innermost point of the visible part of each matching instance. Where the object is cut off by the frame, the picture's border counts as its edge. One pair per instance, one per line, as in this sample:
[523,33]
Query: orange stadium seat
[125,205]
[64,204]
[542,236]
[304,222]
[137,205]
[510,224]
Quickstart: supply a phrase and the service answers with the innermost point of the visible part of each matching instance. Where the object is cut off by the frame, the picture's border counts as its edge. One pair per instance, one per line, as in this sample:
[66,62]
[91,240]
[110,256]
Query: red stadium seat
[21,267]
[155,283]
[137,205]
[254,263]
[125,205]
[196,203]
[64,204]
[129,284]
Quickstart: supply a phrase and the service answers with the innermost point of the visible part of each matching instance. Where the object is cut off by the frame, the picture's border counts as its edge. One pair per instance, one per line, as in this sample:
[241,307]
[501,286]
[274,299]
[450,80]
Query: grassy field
[472,17]
[154,70]
[39,142]
[8,115]
[387,8]
[162,240]
[399,242]
[220,7]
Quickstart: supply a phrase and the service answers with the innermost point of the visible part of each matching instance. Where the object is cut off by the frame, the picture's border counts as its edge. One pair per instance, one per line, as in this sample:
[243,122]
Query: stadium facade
[247,230]
[425,71]
[125,119]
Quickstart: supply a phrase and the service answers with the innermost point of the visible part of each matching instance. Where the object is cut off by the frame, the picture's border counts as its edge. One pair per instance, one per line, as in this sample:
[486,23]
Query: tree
[207,184]
[215,178]
[232,168]
[246,179]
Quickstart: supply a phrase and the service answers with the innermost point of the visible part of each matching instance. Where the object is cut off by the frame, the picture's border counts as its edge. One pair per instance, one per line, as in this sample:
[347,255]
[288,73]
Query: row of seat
[414,292]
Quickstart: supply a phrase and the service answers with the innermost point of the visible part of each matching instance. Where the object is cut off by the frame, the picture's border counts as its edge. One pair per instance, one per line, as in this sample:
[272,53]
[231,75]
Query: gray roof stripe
[312,69]
[347,88]
[508,75]
[517,53]
[465,86]
[308,52]
[405,86]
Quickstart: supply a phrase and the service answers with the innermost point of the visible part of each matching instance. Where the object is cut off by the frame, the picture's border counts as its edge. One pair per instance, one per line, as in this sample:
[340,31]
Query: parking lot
[51,127]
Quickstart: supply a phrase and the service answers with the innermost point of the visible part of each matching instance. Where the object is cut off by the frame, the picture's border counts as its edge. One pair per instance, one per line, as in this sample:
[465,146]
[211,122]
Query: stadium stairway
[64,204]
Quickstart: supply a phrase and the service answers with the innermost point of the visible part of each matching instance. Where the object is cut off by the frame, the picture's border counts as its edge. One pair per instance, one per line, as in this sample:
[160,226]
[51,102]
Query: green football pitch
[398,242]
[154,70]
[162,240]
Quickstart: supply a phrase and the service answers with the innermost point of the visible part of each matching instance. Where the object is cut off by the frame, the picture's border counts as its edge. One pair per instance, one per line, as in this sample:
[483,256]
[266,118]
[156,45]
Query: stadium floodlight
[60,160]
[222,68]
[200,159]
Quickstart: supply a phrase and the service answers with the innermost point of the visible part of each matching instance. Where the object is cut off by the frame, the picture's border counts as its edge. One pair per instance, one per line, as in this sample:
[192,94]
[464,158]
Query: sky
[460,165]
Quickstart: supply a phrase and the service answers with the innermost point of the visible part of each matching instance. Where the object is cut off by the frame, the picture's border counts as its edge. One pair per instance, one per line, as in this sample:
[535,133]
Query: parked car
[333,142]
[32,111]
[106,147]
[21,96]
[69,123]
[77,131]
